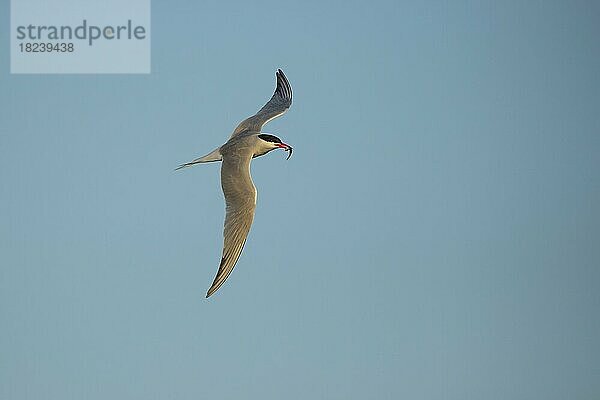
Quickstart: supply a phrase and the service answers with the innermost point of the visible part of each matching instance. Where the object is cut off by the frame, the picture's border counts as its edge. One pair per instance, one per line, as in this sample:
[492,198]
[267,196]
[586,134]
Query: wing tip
[283,85]
[280,74]
[216,282]
[213,289]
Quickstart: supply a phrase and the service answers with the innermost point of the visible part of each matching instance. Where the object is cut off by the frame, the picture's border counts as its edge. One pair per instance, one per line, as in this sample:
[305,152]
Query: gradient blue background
[434,236]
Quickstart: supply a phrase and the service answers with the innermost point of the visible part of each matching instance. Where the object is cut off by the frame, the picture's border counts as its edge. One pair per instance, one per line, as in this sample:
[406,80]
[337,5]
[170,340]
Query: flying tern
[246,142]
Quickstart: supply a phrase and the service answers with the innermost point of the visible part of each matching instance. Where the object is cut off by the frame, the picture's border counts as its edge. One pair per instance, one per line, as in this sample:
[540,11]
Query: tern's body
[246,143]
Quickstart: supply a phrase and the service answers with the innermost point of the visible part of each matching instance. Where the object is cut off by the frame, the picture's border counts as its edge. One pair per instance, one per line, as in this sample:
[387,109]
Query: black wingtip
[283,85]
[211,291]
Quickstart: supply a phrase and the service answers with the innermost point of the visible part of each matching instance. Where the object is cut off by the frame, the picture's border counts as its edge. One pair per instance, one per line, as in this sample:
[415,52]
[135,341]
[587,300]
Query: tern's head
[271,142]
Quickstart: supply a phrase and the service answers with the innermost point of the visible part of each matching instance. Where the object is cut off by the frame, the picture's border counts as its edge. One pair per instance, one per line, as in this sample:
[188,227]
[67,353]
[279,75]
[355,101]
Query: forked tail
[214,155]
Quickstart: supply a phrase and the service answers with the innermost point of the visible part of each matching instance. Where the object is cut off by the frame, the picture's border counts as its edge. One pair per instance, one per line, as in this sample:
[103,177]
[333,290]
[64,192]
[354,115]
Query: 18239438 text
[46,47]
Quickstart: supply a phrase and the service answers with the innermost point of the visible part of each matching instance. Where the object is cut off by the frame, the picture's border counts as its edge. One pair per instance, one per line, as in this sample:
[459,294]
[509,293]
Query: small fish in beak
[286,147]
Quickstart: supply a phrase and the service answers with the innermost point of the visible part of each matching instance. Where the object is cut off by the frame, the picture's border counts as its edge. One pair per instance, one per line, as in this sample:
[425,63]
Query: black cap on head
[269,138]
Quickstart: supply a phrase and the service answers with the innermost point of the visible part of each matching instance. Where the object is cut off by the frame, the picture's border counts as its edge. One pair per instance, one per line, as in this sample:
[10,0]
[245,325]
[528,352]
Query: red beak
[286,147]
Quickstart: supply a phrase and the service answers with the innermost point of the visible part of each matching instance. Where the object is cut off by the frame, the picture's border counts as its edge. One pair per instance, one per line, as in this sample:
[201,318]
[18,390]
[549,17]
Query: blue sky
[434,236]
